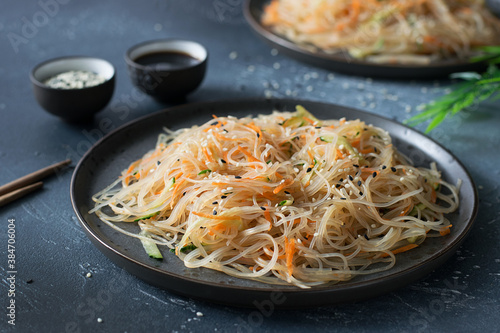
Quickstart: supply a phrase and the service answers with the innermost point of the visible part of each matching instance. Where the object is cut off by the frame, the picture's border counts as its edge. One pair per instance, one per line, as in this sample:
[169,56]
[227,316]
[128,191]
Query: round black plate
[343,63]
[104,162]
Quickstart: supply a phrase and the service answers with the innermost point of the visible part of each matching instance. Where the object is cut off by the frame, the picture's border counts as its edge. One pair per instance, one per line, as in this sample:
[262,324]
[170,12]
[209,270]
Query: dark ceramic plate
[104,162]
[343,63]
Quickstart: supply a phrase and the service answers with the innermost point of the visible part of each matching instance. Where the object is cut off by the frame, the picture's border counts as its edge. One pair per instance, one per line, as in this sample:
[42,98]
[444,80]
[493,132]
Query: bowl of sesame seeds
[73,88]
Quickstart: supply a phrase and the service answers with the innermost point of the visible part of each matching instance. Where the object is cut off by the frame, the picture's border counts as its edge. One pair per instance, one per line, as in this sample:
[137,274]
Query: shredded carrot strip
[310,154]
[289,252]
[267,195]
[267,215]
[355,143]
[130,169]
[207,155]
[309,120]
[407,210]
[175,191]
[367,151]
[433,196]
[216,217]
[286,183]
[256,129]
[401,249]
[220,184]
[250,157]
[445,231]
[338,155]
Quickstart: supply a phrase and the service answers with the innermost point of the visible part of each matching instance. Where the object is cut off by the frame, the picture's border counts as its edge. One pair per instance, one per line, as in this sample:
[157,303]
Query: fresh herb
[204,171]
[476,88]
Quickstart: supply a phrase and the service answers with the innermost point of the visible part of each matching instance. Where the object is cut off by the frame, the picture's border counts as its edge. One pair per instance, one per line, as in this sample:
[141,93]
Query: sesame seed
[89,275]
[99,320]
[309,170]
[199,314]
[287,192]
[237,177]
[374,174]
[359,182]
[224,197]
[341,179]
[384,167]
[343,198]
[263,208]
[214,203]
[350,178]
[366,237]
[401,179]
[214,212]
[223,161]
[184,193]
[355,165]
[393,169]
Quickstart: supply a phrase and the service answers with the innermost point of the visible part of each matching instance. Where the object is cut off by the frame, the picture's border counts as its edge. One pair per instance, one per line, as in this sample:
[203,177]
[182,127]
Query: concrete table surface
[53,255]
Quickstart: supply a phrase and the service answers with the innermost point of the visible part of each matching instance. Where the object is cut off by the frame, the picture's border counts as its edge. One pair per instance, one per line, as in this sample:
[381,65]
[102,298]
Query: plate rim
[442,255]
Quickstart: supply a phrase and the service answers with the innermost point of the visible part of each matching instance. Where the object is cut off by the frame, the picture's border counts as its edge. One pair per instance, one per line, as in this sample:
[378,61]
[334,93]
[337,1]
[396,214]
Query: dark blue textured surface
[52,250]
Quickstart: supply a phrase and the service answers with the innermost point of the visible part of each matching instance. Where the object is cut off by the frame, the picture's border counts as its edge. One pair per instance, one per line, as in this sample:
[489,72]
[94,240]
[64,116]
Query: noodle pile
[282,198]
[388,31]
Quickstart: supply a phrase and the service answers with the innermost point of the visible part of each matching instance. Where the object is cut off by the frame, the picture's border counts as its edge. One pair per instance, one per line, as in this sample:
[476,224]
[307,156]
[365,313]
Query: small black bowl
[179,67]
[75,104]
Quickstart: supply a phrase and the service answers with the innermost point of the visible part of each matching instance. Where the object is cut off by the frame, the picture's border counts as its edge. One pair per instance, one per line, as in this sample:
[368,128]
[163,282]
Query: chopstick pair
[27,184]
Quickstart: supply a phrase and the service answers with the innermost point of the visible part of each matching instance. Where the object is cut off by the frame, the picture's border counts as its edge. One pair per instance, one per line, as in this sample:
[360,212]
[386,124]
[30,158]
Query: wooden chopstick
[25,184]
[21,192]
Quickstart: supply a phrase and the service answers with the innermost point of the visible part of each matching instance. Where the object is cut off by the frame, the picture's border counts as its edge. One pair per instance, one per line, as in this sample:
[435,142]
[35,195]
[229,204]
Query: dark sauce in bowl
[167,60]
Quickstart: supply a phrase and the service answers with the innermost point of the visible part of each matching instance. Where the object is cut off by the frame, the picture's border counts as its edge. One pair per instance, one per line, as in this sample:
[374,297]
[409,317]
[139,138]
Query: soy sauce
[167,60]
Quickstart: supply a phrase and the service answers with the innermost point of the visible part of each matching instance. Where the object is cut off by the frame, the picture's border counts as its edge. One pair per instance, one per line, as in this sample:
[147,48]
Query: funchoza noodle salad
[283,198]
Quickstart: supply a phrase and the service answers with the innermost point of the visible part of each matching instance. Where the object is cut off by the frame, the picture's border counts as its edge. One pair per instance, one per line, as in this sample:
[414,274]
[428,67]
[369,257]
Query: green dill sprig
[475,89]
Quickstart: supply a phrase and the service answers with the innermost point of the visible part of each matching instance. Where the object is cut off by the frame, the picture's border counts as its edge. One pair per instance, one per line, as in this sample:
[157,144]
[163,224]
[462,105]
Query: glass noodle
[282,198]
[388,31]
